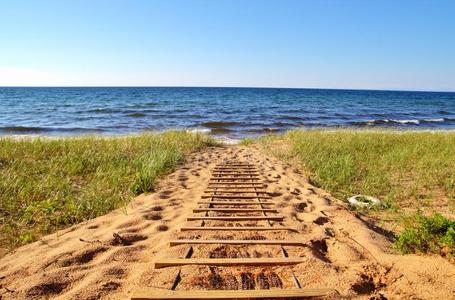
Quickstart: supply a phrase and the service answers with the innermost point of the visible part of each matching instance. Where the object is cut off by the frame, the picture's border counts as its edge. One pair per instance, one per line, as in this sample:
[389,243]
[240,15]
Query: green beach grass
[410,171]
[48,184]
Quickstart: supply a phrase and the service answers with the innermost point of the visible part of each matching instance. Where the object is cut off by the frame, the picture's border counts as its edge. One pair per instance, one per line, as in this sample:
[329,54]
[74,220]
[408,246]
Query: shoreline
[223,138]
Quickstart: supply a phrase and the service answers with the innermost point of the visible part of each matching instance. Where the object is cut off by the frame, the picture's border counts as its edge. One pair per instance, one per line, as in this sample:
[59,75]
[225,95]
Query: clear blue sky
[331,44]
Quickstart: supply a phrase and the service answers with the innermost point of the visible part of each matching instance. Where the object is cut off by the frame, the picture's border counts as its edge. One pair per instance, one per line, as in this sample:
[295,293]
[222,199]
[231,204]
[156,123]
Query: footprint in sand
[84,256]
[165,194]
[319,249]
[162,227]
[50,287]
[300,207]
[152,217]
[321,220]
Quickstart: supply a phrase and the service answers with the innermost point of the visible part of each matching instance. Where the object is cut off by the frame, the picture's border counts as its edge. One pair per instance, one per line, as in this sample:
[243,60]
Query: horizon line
[233,87]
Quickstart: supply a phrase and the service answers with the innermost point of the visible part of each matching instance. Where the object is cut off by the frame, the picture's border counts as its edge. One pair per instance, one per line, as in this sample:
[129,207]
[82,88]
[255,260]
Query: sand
[111,256]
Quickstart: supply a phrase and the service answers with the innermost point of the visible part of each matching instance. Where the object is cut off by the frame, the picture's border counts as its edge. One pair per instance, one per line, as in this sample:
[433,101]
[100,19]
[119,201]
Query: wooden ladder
[234,184]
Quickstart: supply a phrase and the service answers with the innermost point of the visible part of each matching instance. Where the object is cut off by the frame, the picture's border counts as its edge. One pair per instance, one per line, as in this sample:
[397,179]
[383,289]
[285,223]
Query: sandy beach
[343,250]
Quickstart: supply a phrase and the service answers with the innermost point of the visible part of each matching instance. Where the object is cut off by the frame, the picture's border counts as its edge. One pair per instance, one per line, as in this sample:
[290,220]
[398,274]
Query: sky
[363,44]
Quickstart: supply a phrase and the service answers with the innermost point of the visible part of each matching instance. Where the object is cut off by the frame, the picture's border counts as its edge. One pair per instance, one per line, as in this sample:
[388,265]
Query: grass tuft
[47,184]
[428,234]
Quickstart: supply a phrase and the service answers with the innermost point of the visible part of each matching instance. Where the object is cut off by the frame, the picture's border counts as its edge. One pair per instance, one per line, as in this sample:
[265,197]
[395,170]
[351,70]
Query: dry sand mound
[111,256]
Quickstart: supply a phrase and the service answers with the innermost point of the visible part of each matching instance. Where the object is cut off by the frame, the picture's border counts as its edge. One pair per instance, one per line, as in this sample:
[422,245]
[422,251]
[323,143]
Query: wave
[220,130]
[219,124]
[199,130]
[103,110]
[413,122]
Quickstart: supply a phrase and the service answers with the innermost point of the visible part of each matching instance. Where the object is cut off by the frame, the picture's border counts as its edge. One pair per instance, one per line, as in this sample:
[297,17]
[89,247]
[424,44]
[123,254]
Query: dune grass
[48,184]
[408,170]
[397,167]
[423,234]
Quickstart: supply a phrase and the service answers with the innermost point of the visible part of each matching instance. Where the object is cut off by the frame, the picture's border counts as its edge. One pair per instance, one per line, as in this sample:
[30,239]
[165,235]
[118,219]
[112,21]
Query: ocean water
[230,112]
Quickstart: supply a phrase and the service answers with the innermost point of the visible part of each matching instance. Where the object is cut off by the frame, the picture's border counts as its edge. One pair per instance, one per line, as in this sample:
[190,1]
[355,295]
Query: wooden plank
[237,242]
[235,173]
[234,178]
[237,228]
[235,197]
[162,263]
[229,171]
[235,202]
[236,191]
[235,165]
[196,210]
[236,218]
[236,182]
[235,170]
[234,187]
[153,293]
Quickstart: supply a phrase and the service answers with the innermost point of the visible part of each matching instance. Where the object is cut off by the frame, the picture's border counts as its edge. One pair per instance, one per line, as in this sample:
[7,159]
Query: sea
[226,112]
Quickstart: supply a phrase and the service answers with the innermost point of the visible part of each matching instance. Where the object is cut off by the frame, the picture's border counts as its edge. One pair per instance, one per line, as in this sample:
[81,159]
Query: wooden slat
[152,293]
[235,187]
[233,173]
[236,197]
[236,191]
[235,202]
[196,210]
[247,172]
[237,228]
[228,261]
[235,165]
[236,218]
[235,170]
[234,178]
[238,183]
[236,242]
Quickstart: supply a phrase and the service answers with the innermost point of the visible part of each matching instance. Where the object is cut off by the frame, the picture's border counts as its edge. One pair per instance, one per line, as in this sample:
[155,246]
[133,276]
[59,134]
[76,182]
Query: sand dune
[111,256]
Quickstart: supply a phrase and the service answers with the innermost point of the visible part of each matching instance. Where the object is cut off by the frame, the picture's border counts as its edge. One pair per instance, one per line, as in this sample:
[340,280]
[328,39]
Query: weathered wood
[249,175]
[235,202]
[196,210]
[247,171]
[237,242]
[153,293]
[238,183]
[235,165]
[228,261]
[234,178]
[237,170]
[237,228]
[236,218]
[236,197]
[236,191]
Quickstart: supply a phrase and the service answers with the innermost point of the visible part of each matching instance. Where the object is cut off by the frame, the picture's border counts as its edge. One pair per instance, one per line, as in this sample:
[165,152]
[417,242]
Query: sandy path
[342,251]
